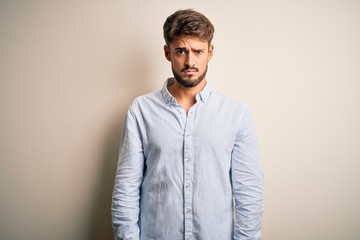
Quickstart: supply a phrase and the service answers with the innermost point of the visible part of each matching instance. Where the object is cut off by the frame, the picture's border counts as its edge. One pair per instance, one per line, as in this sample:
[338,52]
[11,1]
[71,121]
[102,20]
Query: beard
[192,82]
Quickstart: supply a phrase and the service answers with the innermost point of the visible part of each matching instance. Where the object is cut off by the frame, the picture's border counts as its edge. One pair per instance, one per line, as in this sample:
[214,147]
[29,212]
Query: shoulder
[234,112]
[230,107]
[145,100]
[228,102]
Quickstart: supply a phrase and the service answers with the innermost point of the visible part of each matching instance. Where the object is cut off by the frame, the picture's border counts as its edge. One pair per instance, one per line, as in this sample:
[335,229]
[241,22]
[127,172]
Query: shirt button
[189,238]
[187,186]
[187,160]
[188,210]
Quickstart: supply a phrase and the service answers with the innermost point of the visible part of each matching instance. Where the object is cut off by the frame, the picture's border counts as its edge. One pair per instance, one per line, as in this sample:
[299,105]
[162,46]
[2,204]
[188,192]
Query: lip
[189,71]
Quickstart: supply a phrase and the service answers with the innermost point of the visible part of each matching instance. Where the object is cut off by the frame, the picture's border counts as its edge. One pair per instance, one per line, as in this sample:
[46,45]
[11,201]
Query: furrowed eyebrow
[195,50]
[192,49]
[179,48]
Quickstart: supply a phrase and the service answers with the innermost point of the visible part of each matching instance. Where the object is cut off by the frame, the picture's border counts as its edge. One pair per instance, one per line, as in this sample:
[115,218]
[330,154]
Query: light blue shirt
[184,177]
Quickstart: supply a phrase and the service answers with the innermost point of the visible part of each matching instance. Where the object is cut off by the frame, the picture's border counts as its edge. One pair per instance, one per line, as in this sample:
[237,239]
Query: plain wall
[69,69]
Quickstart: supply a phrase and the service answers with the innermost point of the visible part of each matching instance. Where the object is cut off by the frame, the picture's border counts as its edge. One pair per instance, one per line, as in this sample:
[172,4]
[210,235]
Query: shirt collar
[203,95]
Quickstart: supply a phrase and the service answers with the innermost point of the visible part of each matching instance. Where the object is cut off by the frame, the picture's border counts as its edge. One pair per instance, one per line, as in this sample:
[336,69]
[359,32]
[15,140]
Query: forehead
[189,42]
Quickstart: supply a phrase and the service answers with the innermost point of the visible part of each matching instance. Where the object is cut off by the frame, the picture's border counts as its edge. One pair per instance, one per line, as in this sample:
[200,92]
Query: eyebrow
[192,49]
[180,48]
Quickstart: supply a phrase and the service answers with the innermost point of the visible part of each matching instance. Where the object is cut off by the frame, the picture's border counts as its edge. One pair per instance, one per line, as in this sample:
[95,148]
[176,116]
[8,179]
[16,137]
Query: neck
[186,97]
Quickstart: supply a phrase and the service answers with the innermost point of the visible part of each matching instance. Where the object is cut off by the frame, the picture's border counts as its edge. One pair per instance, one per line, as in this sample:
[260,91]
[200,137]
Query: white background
[69,69]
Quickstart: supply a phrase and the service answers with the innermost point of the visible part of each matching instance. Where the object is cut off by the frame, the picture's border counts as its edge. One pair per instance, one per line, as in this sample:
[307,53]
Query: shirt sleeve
[247,180]
[129,174]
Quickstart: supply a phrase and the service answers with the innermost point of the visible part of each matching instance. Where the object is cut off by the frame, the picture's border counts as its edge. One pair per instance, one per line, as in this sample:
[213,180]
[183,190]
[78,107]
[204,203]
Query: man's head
[188,23]
[188,36]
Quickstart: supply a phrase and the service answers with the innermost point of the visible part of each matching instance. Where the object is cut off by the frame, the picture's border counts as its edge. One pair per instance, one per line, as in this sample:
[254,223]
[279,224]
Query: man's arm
[129,174]
[247,180]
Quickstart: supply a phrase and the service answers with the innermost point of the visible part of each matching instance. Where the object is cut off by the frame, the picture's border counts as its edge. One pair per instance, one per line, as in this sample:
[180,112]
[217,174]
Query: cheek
[177,63]
[204,63]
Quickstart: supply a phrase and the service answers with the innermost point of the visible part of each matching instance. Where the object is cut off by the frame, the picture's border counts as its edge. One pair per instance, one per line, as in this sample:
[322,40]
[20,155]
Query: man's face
[189,58]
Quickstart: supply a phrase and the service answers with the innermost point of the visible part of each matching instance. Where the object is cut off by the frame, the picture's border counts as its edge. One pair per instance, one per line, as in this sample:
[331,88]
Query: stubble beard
[192,82]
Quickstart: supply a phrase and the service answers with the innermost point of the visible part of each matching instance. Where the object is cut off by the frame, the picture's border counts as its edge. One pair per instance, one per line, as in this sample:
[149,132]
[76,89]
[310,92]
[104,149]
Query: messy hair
[188,23]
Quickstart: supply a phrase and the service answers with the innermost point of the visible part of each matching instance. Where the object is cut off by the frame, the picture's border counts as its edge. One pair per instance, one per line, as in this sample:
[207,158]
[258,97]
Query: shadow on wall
[100,223]
[134,81]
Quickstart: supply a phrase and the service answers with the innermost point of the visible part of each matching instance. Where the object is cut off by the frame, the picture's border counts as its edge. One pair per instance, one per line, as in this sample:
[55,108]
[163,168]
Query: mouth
[190,70]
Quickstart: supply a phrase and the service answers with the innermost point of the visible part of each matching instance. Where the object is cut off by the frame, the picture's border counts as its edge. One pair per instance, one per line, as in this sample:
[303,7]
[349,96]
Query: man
[189,157]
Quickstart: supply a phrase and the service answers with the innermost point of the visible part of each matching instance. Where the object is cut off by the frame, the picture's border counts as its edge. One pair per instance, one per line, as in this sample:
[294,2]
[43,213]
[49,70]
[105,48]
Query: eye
[180,52]
[199,52]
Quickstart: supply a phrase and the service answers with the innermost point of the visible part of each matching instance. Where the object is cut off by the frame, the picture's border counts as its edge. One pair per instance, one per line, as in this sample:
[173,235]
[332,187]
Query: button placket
[188,176]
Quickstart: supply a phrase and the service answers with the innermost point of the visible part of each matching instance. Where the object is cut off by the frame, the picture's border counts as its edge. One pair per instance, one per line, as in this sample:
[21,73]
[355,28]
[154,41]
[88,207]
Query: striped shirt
[188,176]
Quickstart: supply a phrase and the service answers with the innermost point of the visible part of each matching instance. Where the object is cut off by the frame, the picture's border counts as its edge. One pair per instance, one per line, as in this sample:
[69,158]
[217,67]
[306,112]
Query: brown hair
[189,23]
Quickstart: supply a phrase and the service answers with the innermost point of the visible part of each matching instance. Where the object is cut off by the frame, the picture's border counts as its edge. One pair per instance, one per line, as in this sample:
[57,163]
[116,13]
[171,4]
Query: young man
[189,165]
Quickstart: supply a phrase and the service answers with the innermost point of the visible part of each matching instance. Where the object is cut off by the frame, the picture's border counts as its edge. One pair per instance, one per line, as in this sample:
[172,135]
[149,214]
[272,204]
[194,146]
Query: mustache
[190,68]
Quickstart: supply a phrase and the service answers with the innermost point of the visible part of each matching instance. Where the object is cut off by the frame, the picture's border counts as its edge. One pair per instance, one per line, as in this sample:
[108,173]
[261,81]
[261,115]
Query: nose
[189,59]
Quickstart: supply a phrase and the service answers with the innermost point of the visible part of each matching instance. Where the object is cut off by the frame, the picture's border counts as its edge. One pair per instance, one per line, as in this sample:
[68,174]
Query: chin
[189,81]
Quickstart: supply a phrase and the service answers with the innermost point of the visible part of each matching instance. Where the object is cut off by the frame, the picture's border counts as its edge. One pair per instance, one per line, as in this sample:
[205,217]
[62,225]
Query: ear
[211,52]
[167,52]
